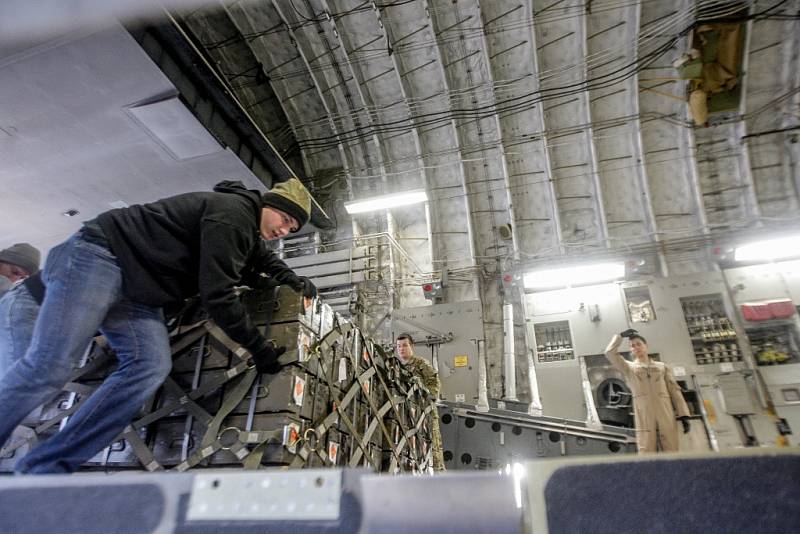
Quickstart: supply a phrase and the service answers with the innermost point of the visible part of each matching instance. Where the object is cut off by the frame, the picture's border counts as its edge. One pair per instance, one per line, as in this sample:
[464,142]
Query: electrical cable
[482,112]
[426,44]
[574,88]
[510,142]
[405,120]
[641,39]
[311,20]
[623,74]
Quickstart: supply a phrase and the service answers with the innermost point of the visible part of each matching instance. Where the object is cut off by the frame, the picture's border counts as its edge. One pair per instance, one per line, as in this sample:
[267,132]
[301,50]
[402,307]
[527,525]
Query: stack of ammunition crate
[339,400]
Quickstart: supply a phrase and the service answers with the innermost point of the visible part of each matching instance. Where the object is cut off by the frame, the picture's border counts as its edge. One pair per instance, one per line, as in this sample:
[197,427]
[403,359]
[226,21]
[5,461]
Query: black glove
[628,333]
[258,282]
[304,285]
[266,359]
[685,422]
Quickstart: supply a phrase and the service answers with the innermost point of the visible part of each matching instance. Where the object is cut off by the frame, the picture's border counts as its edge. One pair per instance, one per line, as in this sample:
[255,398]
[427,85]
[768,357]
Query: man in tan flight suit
[657,397]
[419,367]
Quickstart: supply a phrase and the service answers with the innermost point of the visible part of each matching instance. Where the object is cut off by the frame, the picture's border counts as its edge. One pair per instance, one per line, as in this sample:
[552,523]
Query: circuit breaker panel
[772,328]
[712,333]
[553,342]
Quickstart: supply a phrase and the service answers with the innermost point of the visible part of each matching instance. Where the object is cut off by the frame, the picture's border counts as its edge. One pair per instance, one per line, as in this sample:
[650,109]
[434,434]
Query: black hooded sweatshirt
[195,243]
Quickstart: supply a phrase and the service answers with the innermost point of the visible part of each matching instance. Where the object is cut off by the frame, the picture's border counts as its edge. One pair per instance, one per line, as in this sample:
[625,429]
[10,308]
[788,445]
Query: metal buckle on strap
[222,442]
[312,443]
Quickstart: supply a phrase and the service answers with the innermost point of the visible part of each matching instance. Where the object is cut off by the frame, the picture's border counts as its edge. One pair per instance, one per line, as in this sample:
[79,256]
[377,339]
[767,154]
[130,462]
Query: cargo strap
[212,438]
[329,343]
[191,337]
[374,424]
[142,452]
[380,356]
[211,441]
[364,383]
[202,391]
[407,433]
[72,386]
[232,400]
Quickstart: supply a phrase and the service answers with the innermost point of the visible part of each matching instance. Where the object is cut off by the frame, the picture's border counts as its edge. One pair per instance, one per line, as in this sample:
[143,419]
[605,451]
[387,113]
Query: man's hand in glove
[266,359]
[685,422]
[304,285]
[628,333]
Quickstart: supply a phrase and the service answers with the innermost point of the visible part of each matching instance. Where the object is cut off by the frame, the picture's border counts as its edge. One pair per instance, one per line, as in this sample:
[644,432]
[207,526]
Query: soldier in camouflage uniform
[419,367]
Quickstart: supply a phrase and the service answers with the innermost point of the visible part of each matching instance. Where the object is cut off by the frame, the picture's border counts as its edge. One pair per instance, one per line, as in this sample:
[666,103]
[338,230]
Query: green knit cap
[291,197]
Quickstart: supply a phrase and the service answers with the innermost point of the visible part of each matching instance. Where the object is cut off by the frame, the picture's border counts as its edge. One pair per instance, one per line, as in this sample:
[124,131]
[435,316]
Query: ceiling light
[386,201]
[574,276]
[771,249]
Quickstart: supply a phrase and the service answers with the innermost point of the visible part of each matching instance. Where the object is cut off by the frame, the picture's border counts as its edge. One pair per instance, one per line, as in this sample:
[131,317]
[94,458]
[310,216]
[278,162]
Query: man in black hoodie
[116,274]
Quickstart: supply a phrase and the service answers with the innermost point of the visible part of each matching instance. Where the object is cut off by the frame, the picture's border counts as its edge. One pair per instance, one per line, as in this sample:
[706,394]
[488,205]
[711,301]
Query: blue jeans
[84,293]
[18,311]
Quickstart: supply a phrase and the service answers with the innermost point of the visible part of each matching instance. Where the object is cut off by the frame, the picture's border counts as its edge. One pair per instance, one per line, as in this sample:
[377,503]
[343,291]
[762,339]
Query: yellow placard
[711,413]
[461,361]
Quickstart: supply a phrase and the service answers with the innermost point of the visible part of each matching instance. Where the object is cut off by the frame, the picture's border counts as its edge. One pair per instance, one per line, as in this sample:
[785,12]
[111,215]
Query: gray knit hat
[22,255]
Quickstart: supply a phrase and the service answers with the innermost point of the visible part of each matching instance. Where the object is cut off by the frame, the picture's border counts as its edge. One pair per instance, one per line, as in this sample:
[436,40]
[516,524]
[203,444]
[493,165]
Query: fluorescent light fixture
[574,276]
[386,201]
[771,249]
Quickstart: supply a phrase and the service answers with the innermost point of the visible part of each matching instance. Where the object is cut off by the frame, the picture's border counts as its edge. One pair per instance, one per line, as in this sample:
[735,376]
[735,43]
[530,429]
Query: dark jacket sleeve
[223,253]
[269,263]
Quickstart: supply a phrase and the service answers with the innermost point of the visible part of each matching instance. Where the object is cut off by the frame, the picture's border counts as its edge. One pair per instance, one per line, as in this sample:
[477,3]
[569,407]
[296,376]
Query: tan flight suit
[657,401]
[420,367]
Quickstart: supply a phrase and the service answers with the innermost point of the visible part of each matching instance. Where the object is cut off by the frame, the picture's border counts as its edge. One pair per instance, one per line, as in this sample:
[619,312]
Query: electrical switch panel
[713,336]
[553,342]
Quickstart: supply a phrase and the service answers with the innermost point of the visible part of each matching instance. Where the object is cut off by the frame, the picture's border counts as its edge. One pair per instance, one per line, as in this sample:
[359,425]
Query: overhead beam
[462,172]
[499,127]
[669,159]
[366,104]
[579,206]
[641,168]
[554,212]
[281,101]
[339,145]
[602,221]
[406,93]
[745,167]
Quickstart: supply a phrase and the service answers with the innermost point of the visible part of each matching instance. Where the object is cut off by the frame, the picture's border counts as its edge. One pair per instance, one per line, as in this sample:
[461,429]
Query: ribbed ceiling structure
[562,119]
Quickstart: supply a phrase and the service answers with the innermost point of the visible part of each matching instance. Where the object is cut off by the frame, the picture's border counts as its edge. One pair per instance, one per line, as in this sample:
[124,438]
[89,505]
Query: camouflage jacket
[420,367]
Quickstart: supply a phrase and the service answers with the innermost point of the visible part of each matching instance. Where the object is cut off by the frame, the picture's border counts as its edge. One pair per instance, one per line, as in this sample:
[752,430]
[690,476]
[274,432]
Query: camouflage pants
[436,437]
